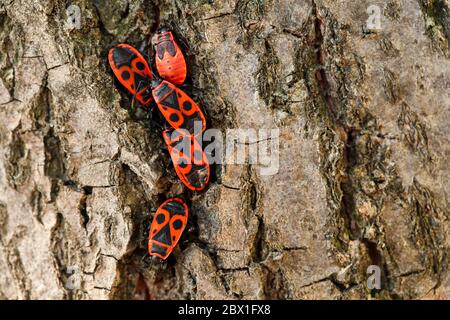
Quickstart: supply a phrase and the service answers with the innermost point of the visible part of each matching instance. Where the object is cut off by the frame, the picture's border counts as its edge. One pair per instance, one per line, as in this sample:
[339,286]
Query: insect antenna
[138,88]
[154,73]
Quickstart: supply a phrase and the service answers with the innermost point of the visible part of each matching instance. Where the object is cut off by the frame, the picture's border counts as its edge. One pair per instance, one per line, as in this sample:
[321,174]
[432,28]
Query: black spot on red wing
[140,65]
[123,56]
[125,75]
[160,218]
[179,146]
[159,249]
[163,235]
[174,117]
[171,101]
[182,163]
[177,224]
[182,145]
[187,105]
[172,144]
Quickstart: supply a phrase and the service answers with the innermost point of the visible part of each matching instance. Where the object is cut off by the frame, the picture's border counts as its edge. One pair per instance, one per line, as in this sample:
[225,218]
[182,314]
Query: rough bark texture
[364,151]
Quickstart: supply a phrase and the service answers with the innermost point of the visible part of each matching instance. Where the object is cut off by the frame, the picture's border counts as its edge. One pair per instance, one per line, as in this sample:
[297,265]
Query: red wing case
[189,160]
[177,107]
[133,72]
[169,59]
[167,226]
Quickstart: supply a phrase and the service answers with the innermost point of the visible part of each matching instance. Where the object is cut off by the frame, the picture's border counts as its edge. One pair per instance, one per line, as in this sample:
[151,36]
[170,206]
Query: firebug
[167,226]
[180,111]
[132,70]
[189,160]
[169,59]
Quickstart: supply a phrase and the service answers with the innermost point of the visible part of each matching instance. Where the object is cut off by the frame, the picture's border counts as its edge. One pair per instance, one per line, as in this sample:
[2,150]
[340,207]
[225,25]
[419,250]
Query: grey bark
[364,152]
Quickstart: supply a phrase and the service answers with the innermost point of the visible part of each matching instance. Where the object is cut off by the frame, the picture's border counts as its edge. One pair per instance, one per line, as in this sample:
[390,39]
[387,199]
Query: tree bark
[363,152]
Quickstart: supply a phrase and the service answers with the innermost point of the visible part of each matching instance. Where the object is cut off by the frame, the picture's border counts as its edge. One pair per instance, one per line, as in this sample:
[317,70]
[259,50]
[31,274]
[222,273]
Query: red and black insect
[167,226]
[169,60]
[176,106]
[134,73]
[132,70]
[189,160]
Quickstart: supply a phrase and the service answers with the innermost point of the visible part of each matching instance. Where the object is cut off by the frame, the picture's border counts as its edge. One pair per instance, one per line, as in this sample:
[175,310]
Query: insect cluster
[181,113]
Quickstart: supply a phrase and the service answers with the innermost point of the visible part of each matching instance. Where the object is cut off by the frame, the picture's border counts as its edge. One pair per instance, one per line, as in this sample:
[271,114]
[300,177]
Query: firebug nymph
[169,59]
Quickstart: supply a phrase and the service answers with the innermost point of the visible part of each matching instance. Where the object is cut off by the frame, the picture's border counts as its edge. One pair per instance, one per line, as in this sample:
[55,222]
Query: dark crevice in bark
[54,157]
[275,286]
[430,234]
[229,187]
[250,14]
[217,16]
[37,202]
[13,258]
[18,165]
[157,20]
[57,246]
[415,133]
[345,134]
[54,162]
[321,76]
[11,45]
[252,197]
[101,25]
[411,273]
[349,132]
[141,290]
[258,243]
[267,75]
[437,11]
[83,210]
[376,258]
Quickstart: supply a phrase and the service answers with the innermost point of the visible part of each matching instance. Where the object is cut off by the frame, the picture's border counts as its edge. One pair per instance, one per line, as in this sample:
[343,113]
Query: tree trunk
[362,110]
